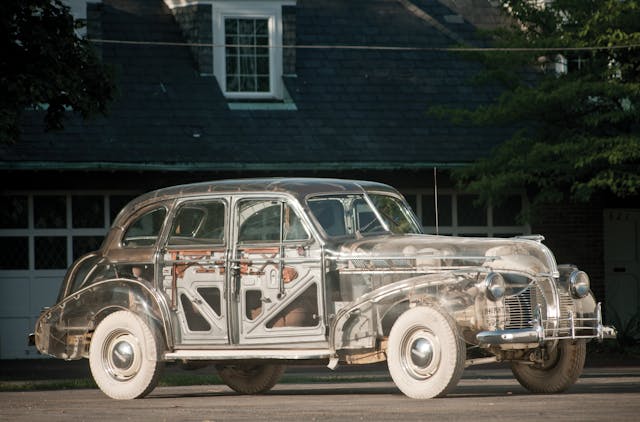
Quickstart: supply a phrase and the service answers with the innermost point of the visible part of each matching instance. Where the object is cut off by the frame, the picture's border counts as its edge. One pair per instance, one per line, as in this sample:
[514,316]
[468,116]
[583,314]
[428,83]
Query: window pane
[246,26]
[50,212]
[247,84]
[470,214]
[144,231]
[14,253]
[292,225]
[429,210]
[231,26]
[259,221]
[262,84]
[330,215]
[51,253]
[261,41]
[87,211]
[244,60]
[199,223]
[263,65]
[261,27]
[232,66]
[507,212]
[14,212]
[233,83]
[85,244]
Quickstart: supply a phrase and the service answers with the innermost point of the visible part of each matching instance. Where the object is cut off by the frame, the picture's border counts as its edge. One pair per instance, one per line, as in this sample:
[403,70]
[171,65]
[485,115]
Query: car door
[195,270]
[275,283]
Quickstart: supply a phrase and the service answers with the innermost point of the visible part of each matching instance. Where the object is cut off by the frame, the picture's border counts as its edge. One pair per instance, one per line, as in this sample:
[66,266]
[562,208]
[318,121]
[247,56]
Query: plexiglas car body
[252,274]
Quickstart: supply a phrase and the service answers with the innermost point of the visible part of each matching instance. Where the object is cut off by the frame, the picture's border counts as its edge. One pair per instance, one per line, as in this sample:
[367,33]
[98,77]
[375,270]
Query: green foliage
[577,133]
[44,64]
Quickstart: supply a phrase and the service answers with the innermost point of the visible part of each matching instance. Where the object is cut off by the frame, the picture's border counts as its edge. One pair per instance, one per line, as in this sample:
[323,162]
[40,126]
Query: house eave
[181,167]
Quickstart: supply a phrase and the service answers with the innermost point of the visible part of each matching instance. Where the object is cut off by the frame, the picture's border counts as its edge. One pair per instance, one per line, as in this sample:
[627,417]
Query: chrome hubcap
[122,356]
[420,353]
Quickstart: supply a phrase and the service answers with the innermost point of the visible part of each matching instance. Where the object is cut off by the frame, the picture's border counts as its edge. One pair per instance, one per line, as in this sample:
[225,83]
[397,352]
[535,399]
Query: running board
[242,354]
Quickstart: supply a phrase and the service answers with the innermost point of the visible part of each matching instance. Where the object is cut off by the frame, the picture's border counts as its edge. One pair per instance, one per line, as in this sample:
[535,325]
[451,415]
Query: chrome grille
[519,310]
[566,310]
[520,307]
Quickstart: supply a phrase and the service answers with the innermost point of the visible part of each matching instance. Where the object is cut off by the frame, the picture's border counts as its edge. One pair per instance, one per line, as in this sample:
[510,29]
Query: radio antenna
[435,197]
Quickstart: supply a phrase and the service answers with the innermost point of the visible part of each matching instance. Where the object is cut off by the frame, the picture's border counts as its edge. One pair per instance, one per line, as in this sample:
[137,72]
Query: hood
[522,255]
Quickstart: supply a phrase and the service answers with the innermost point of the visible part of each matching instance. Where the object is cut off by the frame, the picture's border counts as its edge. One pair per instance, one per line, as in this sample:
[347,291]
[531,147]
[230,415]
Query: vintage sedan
[251,275]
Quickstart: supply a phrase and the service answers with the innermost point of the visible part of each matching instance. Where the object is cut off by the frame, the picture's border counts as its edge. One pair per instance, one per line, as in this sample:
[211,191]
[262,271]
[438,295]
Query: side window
[268,221]
[199,223]
[292,225]
[145,230]
[330,215]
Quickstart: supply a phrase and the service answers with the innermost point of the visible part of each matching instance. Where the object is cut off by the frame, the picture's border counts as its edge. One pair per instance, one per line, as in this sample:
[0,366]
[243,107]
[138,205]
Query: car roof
[299,187]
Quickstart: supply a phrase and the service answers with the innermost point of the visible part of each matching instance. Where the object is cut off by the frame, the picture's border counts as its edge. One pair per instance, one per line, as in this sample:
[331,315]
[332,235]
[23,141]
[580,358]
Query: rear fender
[64,330]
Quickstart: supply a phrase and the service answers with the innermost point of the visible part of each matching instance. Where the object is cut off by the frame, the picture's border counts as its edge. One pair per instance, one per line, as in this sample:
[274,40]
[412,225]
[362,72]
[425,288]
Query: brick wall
[574,233]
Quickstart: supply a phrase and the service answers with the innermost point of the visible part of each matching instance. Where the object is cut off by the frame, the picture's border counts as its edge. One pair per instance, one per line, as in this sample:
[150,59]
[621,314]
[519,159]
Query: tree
[577,120]
[46,65]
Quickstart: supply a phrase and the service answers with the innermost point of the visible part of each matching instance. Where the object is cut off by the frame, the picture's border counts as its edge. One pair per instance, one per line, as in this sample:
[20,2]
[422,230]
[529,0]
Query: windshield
[347,215]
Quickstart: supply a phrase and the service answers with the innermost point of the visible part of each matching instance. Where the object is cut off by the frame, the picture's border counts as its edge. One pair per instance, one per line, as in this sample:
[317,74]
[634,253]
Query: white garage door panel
[44,292]
[14,333]
[21,300]
[14,296]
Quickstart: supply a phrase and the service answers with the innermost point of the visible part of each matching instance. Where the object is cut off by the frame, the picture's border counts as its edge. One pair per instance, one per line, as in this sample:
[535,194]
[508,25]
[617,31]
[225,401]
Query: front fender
[63,331]
[361,322]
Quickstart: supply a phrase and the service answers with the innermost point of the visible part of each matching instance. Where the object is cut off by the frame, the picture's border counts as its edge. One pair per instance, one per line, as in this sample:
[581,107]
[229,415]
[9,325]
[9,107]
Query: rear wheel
[557,373]
[425,354]
[246,378]
[124,356]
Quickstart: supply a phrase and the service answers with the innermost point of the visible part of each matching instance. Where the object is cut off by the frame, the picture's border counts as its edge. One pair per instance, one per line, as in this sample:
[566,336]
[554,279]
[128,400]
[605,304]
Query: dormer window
[247,55]
[247,58]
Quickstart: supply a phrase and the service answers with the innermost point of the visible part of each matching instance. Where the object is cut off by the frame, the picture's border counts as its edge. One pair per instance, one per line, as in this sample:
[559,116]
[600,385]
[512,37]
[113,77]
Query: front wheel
[425,355]
[556,374]
[246,378]
[124,356]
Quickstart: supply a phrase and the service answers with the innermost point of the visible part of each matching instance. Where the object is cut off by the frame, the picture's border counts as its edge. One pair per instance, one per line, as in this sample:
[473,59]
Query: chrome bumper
[543,330]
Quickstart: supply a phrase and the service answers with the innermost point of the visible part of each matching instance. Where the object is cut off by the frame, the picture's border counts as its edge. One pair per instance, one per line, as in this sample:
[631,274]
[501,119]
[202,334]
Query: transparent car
[252,275]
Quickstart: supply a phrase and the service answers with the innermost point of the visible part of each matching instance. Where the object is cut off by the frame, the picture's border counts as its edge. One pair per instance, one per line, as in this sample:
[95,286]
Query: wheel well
[391,315]
[155,324]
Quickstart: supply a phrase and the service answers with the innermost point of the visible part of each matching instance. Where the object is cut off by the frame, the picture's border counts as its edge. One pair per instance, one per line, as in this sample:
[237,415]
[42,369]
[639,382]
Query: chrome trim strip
[240,354]
[523,335]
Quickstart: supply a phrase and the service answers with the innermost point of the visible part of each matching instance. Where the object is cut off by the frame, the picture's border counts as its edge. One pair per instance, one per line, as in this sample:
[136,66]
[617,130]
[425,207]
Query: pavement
[53,369]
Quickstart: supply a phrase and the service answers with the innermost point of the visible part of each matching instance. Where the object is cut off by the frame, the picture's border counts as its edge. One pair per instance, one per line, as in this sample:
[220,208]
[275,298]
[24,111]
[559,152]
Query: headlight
[580,284]
[495,286]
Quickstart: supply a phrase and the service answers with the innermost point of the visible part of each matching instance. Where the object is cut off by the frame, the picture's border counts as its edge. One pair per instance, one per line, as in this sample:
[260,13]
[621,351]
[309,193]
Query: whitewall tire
[124,356]
[425,354]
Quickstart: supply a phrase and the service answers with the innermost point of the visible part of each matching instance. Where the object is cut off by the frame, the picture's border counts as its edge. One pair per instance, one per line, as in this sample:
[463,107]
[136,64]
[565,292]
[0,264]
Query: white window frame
[272,11]
[68,232]
[489,229]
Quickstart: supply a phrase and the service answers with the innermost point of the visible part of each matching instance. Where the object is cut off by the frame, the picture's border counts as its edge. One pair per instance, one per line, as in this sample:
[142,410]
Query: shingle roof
[356,108]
